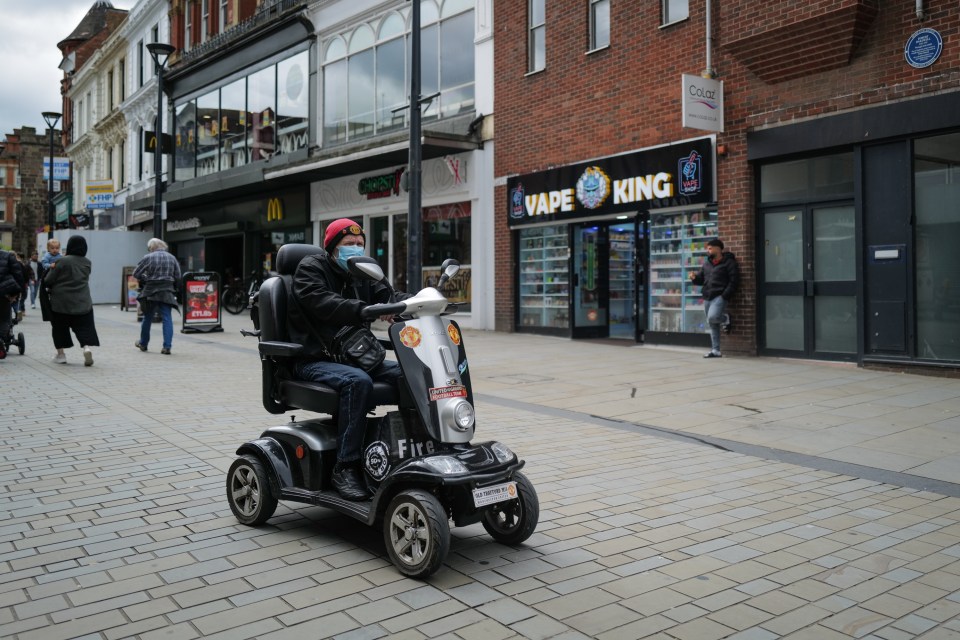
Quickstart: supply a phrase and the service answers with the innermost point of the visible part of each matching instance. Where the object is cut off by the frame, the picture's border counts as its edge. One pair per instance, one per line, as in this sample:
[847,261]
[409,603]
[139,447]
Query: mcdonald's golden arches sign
[274,209]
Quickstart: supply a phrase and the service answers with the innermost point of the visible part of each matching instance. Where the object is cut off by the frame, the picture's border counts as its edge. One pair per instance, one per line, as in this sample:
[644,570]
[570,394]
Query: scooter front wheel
[417,533]
[249,493]
[21,343]
[513,521]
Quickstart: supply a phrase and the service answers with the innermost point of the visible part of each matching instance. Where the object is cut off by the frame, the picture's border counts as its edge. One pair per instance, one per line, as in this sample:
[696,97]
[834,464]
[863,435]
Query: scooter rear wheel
[417,533]
[249,492]
[514,521]
[21,343]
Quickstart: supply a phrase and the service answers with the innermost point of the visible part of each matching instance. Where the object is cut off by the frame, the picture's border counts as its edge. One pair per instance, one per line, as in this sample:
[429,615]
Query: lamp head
[160,51]
[51,118]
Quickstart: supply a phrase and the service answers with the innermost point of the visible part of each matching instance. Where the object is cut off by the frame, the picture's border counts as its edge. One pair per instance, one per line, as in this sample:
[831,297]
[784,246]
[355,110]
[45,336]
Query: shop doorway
[607,280]
[224,255]
[809,281]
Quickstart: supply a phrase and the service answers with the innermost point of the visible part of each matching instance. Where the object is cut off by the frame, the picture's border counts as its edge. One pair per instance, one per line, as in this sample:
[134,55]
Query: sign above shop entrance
[382,186]
[668,176]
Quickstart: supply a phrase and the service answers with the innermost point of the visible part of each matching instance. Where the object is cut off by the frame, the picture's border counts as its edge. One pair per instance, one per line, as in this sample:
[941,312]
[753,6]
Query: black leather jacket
[325,298]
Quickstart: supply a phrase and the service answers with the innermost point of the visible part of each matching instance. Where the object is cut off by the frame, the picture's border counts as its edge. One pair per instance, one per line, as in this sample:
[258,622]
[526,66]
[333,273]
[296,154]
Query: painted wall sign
[702,103]
[668,176]
[923,48]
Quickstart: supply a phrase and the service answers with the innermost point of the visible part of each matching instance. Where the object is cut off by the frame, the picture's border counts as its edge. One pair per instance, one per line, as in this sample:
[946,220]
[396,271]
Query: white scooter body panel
[430,351]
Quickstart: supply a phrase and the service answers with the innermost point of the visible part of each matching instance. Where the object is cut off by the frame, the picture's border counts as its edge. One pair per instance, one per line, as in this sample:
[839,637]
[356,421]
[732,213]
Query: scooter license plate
[497,493]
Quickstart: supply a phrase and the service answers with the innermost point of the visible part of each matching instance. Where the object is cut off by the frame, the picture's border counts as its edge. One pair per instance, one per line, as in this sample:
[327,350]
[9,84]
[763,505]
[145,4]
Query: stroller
[8,340]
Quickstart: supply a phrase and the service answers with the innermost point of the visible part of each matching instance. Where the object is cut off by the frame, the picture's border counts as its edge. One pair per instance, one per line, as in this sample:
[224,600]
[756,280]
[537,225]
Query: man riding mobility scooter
[418,460]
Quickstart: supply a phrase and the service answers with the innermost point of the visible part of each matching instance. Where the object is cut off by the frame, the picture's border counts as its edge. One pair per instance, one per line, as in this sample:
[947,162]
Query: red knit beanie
[339,228]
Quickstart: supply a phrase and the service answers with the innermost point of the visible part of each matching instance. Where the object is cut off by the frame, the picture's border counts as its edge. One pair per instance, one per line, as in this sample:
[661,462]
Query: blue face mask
[348,251]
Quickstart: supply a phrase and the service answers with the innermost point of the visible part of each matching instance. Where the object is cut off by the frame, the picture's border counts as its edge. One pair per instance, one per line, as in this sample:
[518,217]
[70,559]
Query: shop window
[544,297]
[293,103]
[185,151]
[446,234]
[208,130]
[261,105]
[599,24]
[233,125]
[936,171]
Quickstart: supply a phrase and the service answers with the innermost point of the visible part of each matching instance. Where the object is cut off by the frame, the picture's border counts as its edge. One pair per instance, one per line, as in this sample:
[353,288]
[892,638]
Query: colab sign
[673,175]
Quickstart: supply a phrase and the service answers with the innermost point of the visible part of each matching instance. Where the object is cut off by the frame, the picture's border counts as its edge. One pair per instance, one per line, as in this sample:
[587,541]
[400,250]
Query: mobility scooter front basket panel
[432,364]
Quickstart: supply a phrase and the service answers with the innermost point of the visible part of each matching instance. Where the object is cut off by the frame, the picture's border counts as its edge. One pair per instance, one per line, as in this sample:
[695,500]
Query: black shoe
[349,483]
[142,347]
[164,351]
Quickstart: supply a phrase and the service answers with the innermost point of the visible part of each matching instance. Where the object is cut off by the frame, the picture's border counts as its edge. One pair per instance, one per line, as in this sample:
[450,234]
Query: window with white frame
[187,25]
[204,20]
[675,10]
[223,15]
[140,49]
[111,101]
[122,80]
[371,61]
[599,24]
[536,35]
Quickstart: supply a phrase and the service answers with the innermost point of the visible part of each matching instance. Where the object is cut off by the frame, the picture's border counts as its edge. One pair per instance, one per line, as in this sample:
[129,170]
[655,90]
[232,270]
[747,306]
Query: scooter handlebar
[373,311]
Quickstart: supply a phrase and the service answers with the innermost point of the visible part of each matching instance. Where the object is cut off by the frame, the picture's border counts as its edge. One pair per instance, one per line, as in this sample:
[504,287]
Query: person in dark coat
[158,273]
[71,306]
[719,277]
[325,299]
[11,286]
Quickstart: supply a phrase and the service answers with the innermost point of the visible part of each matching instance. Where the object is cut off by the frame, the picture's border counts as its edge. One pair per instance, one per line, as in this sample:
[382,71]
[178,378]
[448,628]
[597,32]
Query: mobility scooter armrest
[280,349]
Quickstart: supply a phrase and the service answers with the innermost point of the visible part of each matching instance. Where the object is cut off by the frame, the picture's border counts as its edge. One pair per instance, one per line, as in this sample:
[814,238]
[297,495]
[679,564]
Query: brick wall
[626,97]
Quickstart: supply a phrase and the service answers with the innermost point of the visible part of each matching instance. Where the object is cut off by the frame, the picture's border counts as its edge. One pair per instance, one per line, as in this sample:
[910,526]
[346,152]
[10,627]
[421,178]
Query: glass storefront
[544,277]
[936,173]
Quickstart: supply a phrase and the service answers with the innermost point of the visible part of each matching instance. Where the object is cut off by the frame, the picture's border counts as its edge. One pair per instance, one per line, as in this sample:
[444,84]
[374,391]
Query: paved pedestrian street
[114,522]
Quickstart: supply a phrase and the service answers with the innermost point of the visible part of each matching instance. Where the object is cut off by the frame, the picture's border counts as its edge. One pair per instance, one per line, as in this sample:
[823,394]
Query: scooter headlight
[445,464]
[502,451]
[461,414]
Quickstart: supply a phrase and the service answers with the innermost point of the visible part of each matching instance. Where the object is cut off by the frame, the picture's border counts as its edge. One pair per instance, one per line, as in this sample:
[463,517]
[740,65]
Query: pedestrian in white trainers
[719,277]
[71,307]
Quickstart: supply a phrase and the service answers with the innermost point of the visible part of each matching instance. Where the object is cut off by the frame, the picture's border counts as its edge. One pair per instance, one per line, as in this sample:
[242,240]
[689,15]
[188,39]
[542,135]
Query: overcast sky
[29,58]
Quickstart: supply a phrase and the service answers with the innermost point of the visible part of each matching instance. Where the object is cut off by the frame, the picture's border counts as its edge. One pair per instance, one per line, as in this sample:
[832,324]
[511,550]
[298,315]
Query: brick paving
[113,522]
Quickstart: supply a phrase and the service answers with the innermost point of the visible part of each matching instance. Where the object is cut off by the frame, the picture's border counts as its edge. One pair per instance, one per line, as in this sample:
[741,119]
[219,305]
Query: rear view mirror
[366,268]
[450,268]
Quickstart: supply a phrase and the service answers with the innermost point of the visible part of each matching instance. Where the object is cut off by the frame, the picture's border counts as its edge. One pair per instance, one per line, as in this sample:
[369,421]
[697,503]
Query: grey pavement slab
[680,498]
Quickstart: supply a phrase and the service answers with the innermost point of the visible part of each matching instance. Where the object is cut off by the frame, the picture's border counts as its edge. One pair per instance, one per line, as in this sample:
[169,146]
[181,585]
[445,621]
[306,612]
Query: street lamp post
[51,118]
[160,52]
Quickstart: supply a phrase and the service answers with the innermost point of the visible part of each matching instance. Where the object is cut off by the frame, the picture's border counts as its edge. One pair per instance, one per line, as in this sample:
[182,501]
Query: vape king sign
[702,103]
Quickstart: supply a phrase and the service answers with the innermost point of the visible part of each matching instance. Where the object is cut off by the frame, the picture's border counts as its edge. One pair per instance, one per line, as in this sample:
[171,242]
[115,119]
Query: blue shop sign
[923,48]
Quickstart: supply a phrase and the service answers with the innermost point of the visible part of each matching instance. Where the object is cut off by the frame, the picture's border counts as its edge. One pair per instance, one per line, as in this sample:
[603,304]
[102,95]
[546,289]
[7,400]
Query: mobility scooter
[419,462]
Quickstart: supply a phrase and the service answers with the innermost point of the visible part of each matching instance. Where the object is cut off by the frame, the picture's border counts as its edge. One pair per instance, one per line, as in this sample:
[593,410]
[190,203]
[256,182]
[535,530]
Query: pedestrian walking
[20,305]
[50,257]
[158,273]
[67,284]
[34,275]
[11,287]
[719,277]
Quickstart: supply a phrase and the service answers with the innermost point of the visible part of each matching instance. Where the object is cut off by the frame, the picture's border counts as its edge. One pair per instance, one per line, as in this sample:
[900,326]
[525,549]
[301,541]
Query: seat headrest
[290,255]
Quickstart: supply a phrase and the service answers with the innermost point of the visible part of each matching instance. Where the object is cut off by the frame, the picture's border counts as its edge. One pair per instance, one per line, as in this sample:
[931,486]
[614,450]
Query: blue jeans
[149,306]
[355,386]
[33,294]
[715,309]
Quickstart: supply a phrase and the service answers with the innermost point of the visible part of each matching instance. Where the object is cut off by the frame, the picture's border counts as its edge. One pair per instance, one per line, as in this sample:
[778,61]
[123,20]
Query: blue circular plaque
[923,48]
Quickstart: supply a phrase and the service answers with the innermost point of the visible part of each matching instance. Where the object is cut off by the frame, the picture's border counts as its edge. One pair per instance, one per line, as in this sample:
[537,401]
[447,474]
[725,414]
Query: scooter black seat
[281,390]
[319,398]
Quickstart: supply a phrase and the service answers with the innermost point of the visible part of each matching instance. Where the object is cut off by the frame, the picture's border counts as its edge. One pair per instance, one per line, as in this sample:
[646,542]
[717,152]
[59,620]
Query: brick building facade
[819,89]
[29,148]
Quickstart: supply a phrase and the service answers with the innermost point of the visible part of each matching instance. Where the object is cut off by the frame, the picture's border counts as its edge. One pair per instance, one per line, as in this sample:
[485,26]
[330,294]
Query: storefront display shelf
[544,282]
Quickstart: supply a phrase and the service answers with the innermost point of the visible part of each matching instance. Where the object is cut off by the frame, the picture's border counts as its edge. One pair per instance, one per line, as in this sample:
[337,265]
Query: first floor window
[599,24]
[675,10]
[536,38]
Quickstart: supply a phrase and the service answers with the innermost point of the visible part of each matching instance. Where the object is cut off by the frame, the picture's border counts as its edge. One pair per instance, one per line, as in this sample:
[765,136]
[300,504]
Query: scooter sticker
[376,459]
[410,337]
[454,334]
[454,391]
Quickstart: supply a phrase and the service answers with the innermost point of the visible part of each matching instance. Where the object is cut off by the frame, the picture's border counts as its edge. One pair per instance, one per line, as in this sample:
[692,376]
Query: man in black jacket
[11,285]
[719,276]
[325,299]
